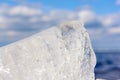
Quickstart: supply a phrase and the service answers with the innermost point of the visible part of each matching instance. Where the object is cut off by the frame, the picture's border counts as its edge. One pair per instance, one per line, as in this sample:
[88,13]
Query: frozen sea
[108,65]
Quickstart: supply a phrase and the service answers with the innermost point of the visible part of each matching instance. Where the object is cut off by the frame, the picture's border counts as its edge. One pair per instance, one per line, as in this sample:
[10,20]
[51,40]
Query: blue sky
[100,6]
[22,18]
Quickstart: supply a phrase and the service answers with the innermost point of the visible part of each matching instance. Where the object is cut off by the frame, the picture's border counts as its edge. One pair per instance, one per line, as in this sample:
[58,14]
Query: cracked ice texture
[63,52]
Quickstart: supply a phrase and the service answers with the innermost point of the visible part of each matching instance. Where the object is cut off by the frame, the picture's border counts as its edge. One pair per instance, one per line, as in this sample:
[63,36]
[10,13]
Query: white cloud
[11,33]
[3,21]
[118,2]
[24,10]
[114,30]
[110,19]
[86,15]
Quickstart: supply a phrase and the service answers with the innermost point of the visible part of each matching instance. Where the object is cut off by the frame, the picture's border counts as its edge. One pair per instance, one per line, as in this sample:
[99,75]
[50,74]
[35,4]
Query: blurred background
[23,18]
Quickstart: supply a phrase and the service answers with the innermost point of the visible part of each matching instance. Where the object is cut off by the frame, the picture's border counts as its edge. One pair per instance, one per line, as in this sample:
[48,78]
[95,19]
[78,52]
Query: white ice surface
[59,53]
